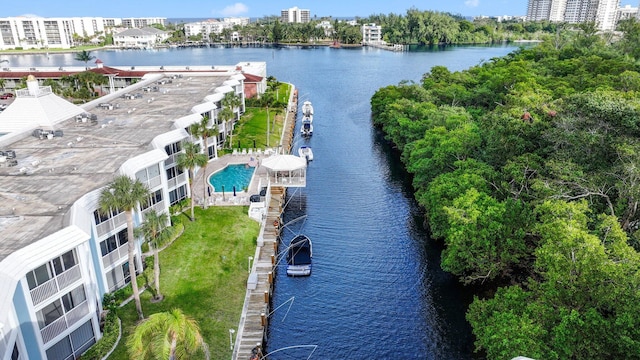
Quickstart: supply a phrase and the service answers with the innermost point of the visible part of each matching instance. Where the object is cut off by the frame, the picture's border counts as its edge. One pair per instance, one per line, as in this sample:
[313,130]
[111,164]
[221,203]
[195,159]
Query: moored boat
[307,128]
[305,152]
[307,108]
[299,255]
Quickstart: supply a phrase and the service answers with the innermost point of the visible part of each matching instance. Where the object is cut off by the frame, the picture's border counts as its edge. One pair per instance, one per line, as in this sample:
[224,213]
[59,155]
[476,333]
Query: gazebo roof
[284,163]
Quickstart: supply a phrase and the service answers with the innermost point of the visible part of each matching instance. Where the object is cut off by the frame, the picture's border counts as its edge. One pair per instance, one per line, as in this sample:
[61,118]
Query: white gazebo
[286,170]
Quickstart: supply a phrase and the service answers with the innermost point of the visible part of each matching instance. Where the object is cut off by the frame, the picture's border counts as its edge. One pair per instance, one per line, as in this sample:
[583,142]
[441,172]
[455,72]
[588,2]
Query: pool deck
[242,197]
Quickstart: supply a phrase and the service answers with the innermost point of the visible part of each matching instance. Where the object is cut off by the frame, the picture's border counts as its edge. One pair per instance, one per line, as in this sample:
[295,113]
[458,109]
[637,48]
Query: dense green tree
[166,335]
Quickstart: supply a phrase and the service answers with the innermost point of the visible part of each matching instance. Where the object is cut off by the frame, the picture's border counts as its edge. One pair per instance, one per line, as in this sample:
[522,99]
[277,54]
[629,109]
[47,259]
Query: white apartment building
[371,34]
[295,15]
[41,33]
[58,254]
[626,12]
[213,26]
[603,12]
[143,38]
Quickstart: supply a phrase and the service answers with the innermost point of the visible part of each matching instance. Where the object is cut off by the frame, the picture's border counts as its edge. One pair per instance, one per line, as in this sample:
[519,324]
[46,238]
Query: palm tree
[166,335]
[189,159]
[124,194]
[203,130]
[155,231]
[230,103]
[84,56]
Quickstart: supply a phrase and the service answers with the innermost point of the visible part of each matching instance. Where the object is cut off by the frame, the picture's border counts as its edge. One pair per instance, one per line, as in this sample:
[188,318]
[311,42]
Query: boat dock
[252,329]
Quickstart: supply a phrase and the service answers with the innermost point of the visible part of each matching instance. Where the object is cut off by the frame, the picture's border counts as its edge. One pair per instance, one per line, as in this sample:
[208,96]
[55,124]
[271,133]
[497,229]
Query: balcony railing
[64,322]
[111,224]
[55,284]
[113,257]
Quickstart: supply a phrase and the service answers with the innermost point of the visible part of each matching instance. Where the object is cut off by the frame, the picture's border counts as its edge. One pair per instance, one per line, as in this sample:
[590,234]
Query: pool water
[238,175]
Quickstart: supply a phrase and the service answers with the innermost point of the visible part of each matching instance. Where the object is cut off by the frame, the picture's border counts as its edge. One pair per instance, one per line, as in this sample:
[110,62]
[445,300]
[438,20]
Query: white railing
[155,182]
[68,277]
[74,315]
[112,223]
[44,291]
[112,257]
[64,322]
[54,329]
[55,284]
[158,207]
[173,183]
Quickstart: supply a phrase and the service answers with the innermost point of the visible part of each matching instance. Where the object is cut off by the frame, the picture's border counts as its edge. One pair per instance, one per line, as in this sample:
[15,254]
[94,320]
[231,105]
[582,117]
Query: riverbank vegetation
[527,168]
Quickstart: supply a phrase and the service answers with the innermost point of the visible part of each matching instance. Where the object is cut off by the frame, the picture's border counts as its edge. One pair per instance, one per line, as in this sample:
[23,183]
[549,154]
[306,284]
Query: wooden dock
[254,321]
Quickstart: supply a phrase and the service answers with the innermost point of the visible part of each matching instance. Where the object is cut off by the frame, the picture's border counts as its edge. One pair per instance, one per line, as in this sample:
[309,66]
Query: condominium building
[371,34]
[213,26]
[41,33]
[626,12]
[295,15]
[59,255]
[603,12]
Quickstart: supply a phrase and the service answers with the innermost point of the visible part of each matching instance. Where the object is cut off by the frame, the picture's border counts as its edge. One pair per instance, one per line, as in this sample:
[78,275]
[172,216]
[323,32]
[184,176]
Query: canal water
[376,291]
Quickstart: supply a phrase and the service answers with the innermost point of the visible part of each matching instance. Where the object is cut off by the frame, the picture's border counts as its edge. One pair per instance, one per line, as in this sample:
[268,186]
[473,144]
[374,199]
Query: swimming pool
[238,175]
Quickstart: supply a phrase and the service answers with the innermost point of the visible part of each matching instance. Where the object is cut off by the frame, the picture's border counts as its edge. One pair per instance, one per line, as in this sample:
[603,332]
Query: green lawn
[204,273]
[252,126]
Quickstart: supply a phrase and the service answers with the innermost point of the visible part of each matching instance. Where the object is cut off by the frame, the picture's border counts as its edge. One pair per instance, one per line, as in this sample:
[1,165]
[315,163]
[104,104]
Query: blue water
[238,175]
[377,290]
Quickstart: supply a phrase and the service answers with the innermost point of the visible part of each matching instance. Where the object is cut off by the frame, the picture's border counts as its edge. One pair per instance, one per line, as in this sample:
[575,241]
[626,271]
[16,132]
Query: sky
[259,8]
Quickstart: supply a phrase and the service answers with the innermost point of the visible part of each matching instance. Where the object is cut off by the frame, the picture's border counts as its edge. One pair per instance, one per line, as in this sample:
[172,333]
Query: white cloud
[234,10]
[472,3]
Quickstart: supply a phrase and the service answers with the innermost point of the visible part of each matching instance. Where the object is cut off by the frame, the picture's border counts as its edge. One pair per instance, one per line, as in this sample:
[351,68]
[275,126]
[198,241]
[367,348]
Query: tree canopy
[526,167]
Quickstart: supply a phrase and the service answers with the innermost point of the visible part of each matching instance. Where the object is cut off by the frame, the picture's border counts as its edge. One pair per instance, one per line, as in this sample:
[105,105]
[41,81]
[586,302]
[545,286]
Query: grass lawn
[252,126]
[204,273]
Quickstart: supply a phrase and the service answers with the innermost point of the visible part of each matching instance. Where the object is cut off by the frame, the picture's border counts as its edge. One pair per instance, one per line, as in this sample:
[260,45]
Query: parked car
[6,96]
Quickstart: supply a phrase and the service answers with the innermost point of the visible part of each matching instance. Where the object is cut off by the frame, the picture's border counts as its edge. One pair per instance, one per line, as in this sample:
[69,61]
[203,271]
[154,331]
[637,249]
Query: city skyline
[257,9]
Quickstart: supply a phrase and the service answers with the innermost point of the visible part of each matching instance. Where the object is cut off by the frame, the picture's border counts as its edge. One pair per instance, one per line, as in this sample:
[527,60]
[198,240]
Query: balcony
[113,257]
[111,224]
[64,322]
[54,285]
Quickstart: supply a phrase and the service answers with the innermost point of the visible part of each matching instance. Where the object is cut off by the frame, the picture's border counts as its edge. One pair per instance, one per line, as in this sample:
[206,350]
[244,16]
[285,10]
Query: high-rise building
[603,12]
[295,15]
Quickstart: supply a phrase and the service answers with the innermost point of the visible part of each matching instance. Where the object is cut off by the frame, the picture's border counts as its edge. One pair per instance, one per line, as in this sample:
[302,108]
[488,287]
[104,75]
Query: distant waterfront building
[240,21]
[626,12]
[603,12]
[42,33]
[371,34]
[295,15]
[204,28]
[143,38]
[59,255]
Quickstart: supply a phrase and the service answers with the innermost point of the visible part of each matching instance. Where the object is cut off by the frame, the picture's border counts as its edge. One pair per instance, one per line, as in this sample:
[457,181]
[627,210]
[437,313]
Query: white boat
[305,152]
[307,108]
[299,255]
[307,128]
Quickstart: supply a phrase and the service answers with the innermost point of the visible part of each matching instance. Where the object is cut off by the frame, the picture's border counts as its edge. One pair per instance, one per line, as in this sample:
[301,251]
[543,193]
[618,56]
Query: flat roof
[52,174]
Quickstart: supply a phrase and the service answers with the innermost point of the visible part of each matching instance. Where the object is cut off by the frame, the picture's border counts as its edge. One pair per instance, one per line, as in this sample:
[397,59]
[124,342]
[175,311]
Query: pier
[251,334]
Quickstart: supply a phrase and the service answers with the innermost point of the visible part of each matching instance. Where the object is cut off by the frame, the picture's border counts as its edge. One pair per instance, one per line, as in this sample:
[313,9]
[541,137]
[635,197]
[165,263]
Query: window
[50,313]
[178,194]
[64,262]
[174,172]
[101,217]
[173,148]
[15,355]
[74,298]
[155,198]
[113,242]
[39,276]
